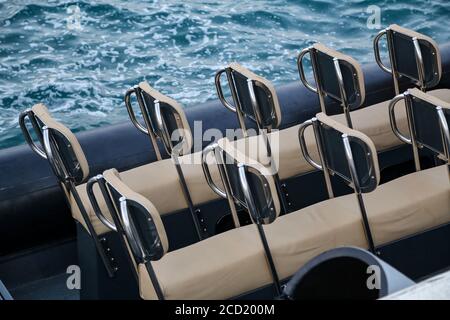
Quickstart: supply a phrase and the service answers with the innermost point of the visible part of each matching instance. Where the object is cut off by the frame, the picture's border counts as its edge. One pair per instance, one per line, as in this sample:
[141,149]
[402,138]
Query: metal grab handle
[249,201]
[162,128]
[376,50]
[393,121]
[301,70]
[29,113]
[211,148]
[134,241]
[419,62]
[303,147]
[130,110]
[90,191]
[220,91]
[444,131]
[60,172]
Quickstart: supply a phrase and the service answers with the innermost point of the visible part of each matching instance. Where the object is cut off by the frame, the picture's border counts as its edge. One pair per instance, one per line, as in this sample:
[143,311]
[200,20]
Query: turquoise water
[81,61]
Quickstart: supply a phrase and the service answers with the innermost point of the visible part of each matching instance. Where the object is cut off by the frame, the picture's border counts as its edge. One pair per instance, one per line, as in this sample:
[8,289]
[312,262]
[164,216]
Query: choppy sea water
[80,57]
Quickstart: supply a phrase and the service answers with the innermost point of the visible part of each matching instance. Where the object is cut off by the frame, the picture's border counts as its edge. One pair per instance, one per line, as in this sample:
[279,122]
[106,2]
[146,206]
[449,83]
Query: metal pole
[357,189]
[344,101]
[326,173]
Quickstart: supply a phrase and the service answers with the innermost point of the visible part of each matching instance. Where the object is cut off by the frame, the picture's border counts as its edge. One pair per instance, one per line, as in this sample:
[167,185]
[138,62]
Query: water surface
[80,57]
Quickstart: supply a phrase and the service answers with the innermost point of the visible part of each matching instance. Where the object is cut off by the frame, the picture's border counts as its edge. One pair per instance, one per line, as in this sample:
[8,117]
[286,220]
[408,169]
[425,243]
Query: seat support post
[264,132]
[412,132]
[357,189]
[319,89]
[326,173]
[343,94]
[148,130]
[445,135]
[258,221]
[68,186]
[394,72]
[116,224]
[137,247]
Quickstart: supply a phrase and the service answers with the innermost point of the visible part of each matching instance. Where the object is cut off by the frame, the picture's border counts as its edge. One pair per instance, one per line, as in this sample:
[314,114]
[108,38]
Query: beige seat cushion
[232,263]
[158,181]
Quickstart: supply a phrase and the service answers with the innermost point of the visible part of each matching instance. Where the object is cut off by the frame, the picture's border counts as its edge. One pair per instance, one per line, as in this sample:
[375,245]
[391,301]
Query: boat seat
[373,121]
[233,263]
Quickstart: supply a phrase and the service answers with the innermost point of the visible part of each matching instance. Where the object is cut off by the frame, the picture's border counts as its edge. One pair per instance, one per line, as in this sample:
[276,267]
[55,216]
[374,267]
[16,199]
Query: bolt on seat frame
[428,124]
[336,75]
[164,119]
[254,98]
[61,149]
[250,186]
[346,154]
[412,55]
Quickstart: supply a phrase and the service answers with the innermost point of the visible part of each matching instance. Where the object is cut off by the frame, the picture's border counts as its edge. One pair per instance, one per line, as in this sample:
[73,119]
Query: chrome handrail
[130,110]
[134,241]
[301,70]
[26,133]
[344,102]
[376,49]
[393,121]
[357,189]
[92,198]
[220,91]
[420,64]
[211,148]
[303,147]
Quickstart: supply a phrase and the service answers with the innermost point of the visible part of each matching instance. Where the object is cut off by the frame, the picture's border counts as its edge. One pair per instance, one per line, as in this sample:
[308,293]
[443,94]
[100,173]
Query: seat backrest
[163,118]
[412,55]
[345,153]
[248,183]
[141,221]
[61,147]
[337,76]
[254,97]
[429,117]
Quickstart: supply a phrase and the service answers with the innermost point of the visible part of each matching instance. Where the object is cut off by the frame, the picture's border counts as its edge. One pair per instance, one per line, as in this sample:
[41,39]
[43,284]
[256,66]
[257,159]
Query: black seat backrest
[341,147]
[163,117]
[332,70]
[429,127]
[411,53]
[253,96]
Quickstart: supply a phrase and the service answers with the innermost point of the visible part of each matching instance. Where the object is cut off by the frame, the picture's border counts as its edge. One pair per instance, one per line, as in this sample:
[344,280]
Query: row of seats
[224,264]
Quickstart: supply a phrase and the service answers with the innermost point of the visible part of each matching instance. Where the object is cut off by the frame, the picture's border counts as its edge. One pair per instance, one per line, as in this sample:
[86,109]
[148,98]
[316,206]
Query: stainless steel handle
[211,148]
[303,147]
[130,110]
[98,212]
[26,133]
[376,50]
[301,70]
[393,121]
[133,240]
[220,91]
[444,131]
[420,65]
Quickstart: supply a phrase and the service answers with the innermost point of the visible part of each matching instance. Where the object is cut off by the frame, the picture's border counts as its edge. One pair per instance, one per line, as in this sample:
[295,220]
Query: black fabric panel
[426,124]
[405,59]
[32,206]
[336,159]
[329,81]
